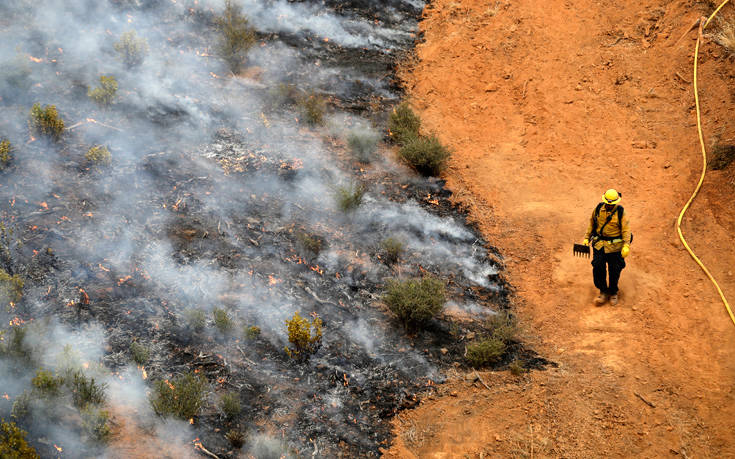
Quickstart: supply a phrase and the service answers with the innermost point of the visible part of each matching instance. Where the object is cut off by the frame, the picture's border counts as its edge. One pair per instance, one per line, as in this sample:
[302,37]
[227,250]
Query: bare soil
[546,105]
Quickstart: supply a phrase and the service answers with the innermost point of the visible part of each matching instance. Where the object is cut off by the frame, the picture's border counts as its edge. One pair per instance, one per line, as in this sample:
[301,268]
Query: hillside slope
[546,105]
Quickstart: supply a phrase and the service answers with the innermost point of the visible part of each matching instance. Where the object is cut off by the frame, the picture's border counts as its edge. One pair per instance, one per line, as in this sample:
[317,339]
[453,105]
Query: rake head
[581,250]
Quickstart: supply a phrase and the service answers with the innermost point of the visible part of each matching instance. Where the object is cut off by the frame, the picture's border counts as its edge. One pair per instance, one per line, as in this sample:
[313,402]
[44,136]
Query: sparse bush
[131,48]
[13,443]
[282,95]
[230,405]
[503,327]
[139,353]
[403,123]
[721,156]
[46,121]
[96,424]
[485,352]
[237,37]
[5,150]
[104,94]
[99,155]
[305,337]
[183,397]
[46,383]
[196,318]
[349,197]
[86,391]
[236,438]
[252,332]
[311,243]
[11,287]
[16,346]
[516,368]
[222,321]
[21,406]
[362,144]
[425,154]
[415,301]
[312,108]
[392,250]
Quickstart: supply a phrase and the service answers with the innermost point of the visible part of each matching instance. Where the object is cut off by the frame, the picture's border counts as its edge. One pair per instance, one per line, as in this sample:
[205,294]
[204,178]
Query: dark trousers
[604,263]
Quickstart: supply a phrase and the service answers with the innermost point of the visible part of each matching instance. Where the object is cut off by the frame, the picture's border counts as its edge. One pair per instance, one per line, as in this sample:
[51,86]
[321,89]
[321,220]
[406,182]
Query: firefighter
[609,235]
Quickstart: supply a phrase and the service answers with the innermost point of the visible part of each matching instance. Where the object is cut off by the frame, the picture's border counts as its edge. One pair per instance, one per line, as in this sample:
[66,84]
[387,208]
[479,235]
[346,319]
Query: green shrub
[131,49]
[305,337]
[196,318]
[99,155]
[392,250]
[312,108]
[46,122]
[252,332]
[425,154]
[485,352]
[237,37]
[13,443]
[236,438]
[403,124]
[230,405]
[311,243]
[5,150]
[222,321]
[86,391]
[349,197]
[47,384]
[104,94]
[96,424]
[415,301]
[362,144]
[11,287]
[183,397]
[139,353]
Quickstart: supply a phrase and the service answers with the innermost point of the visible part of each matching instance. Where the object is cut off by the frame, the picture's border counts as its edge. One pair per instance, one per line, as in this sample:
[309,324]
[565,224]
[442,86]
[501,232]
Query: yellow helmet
[611,196]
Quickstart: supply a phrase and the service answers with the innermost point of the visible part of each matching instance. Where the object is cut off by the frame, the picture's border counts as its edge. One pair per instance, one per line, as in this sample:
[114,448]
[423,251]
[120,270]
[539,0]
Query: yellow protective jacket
[619,230]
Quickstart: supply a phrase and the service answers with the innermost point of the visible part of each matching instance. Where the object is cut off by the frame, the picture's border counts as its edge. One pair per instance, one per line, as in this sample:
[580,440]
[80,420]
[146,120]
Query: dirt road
[546,105]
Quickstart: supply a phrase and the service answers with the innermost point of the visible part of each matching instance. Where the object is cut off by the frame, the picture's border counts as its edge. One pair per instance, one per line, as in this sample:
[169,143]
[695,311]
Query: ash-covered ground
[219,197]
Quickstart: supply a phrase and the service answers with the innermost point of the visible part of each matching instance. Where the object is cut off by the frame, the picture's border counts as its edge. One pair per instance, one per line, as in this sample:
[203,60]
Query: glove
[586,241]
[625,252]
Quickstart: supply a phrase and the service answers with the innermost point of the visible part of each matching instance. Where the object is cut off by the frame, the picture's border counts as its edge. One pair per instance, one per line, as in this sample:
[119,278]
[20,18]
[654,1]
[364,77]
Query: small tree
[131,48]
[139,353]
[104,94]
[312,108]
[13,443]
[11,287]
[485,352]
[305,337]
[237,37]
[392,250]
[46,121]
[222,321]
[415,301]
[362,144]
[230,405]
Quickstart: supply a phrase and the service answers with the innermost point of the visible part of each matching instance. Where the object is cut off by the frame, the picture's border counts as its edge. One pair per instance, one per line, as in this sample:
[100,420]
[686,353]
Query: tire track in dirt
[546,105]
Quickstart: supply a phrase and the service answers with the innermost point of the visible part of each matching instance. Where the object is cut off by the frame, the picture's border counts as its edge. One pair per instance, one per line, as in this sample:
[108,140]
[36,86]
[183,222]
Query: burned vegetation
[215,249]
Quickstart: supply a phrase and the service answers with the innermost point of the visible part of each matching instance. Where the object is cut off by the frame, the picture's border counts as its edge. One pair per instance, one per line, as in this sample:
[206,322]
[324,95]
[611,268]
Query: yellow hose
[704,166]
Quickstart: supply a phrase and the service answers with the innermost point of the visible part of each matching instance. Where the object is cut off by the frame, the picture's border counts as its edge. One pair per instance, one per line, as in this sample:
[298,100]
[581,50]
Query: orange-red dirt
[546,105]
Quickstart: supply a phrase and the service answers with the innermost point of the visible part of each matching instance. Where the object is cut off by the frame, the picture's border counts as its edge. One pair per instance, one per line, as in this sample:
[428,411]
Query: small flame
[35,59]
[86,365]
[144,373]
[168,383]
[43,205]
[17,321]
[122,280]
[273,280]
[103,268]
[58,448]
[191,421]
[6,396]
